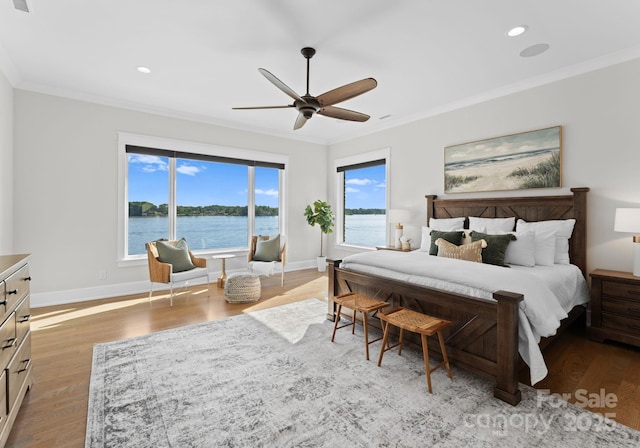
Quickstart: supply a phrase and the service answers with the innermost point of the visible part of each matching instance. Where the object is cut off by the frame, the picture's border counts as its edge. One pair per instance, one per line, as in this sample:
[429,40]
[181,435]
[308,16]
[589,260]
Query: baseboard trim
[52,298]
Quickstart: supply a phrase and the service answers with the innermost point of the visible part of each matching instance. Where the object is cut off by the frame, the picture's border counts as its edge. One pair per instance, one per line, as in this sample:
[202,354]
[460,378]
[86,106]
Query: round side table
[223,275]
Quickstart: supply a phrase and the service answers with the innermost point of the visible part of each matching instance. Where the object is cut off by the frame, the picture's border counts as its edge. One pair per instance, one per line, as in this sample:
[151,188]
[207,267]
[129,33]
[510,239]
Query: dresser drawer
[16,287]
[621,324]
[625,308]
[23,316]
[8,340]
[622,290]
[19,370]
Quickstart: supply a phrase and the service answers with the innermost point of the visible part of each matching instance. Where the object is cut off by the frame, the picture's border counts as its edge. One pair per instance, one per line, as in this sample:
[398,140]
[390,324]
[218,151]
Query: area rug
[272,378]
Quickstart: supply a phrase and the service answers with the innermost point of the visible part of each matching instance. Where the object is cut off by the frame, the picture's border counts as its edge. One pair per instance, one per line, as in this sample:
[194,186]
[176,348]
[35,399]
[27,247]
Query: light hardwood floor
[54,412]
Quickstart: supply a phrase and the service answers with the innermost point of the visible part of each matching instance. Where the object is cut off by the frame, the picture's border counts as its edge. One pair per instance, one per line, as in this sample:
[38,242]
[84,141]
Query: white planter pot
[322,263]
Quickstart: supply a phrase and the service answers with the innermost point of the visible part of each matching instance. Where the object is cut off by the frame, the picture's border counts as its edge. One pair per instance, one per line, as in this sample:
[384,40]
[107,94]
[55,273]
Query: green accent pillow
[267,250]
[454,237]
[177,256]
[496,247]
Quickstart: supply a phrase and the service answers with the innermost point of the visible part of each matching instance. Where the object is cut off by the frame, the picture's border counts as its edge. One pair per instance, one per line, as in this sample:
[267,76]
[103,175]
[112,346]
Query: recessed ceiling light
[144,70]
[534,50]
[517,30]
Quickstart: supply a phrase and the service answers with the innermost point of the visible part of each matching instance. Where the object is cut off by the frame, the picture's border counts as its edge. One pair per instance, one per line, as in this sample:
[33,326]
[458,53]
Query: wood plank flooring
[54,412]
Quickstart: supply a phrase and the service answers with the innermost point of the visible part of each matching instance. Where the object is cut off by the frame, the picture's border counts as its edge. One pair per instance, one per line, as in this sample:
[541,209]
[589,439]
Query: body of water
[228,232]
[365,230]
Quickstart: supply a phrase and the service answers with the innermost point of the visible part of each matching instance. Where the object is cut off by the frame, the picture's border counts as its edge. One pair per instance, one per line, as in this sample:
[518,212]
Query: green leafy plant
[322,215]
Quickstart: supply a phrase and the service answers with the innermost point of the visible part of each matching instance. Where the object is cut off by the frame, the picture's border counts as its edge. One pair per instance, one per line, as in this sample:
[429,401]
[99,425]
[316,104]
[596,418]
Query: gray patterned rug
[272,378]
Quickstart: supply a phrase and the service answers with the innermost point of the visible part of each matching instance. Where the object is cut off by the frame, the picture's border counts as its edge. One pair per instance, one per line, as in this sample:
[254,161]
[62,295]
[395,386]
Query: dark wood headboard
[533,208]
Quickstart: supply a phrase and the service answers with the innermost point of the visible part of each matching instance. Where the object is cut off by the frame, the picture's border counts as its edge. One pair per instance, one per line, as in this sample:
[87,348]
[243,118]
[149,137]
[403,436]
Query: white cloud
[359,182]
[150,164]
[188,170]
[352,190]
[270,192]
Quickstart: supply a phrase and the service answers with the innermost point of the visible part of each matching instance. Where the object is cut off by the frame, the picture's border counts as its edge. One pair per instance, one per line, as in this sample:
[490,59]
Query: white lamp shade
[627,220]
[397,215]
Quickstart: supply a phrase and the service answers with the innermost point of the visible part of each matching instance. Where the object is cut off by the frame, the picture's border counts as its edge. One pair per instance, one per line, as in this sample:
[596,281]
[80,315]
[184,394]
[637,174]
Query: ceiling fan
[307,105]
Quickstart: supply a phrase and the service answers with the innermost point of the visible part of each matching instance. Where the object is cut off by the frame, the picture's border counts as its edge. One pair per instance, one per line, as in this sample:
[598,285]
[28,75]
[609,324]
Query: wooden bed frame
[483,338]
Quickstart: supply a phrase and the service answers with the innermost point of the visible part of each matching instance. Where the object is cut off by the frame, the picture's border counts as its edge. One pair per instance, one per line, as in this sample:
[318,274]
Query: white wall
[600,115]
[6,166]
[66,184]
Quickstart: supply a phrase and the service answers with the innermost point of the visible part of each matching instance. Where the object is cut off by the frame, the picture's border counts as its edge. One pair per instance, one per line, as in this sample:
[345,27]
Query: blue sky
[209,183]
[198,183]
[365,187]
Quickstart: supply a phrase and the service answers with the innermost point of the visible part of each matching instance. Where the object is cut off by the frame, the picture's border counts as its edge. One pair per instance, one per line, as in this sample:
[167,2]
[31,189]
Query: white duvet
[549,291]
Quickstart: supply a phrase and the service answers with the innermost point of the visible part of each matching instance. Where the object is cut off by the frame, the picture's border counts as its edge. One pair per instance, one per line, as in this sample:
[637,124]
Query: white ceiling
[428,56]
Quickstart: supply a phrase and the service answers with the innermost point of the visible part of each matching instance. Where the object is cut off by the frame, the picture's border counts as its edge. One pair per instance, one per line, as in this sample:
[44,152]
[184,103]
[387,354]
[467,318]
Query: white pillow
[425,242]
[492,224]
[446,224]
[522,251]
[545,247]
[563,230]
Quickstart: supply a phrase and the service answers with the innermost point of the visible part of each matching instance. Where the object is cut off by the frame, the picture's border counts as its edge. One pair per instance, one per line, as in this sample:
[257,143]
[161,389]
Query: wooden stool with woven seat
[365,305]
[419,323]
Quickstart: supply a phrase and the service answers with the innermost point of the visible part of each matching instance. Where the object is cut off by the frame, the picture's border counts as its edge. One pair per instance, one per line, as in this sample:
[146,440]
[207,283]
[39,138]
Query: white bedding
[550,292]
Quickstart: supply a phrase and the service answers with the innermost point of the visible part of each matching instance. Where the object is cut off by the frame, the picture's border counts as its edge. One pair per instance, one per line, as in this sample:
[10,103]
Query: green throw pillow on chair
[177,256]
[267,250]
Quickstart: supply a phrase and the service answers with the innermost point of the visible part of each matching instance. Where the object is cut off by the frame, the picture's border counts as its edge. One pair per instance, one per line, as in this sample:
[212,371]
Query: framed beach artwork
[511,162]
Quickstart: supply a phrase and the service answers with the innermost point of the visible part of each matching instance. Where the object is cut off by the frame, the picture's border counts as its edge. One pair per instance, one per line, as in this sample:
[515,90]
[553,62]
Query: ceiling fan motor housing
[308,107]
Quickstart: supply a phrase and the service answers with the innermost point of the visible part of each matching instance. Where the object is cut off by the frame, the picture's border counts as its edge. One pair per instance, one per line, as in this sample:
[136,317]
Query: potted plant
[322,215]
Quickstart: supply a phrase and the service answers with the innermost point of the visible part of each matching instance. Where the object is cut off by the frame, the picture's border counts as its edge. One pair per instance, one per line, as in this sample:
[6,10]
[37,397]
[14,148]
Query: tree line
[148,209]
[143,208]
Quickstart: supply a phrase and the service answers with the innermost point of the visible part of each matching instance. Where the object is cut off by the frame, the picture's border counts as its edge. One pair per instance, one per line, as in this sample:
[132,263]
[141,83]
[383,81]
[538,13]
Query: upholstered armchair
[188,266]
[264,254]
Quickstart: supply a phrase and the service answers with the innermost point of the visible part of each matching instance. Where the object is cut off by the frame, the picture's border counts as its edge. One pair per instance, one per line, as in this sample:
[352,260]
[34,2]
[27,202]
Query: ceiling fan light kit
[307,105]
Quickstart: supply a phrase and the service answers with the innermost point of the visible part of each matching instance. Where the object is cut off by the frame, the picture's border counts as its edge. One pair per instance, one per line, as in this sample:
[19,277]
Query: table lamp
[628,220]
[398,216]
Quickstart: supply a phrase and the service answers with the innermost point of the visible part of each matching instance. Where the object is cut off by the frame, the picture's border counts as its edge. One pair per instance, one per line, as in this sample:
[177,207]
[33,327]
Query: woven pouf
[242,288]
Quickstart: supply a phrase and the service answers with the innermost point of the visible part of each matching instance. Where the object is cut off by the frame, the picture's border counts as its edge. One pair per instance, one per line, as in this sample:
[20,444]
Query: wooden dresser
[15,339]
[615,307]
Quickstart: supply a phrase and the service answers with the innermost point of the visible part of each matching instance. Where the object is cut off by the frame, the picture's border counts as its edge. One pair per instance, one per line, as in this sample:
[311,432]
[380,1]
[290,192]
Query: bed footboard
[482,339]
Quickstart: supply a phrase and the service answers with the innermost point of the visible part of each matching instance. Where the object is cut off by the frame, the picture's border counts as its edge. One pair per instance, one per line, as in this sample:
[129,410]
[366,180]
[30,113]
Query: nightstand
[615,307]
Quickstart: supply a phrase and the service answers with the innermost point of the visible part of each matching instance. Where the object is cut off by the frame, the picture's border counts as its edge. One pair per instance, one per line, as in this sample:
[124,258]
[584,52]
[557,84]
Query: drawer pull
[27,364]
[27,279]
[25,318]
[10,343]
[3,302]
[15,291]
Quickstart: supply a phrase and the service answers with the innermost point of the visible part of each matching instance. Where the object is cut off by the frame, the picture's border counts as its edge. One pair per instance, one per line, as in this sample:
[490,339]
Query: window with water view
[365,195]
[206,201]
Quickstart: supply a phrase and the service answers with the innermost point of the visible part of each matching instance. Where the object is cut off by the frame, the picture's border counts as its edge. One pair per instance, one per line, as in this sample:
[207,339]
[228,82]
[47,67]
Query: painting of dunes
[511,162]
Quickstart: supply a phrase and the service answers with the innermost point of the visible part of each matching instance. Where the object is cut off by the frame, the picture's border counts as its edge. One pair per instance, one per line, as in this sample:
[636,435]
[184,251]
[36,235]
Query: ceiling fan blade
[343,114]
[264,107]
[346,92]
[300,121]
[280,85]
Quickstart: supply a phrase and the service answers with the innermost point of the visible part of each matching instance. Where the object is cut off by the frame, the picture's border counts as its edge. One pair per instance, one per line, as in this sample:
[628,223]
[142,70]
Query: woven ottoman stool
[242,288]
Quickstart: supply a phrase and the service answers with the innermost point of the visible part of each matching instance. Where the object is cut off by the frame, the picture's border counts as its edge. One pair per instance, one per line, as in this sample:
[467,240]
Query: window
[362,198]
[267,199]
[216,202]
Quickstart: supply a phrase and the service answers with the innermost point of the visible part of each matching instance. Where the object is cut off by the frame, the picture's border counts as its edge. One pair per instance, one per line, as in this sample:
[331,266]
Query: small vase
[322,263]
